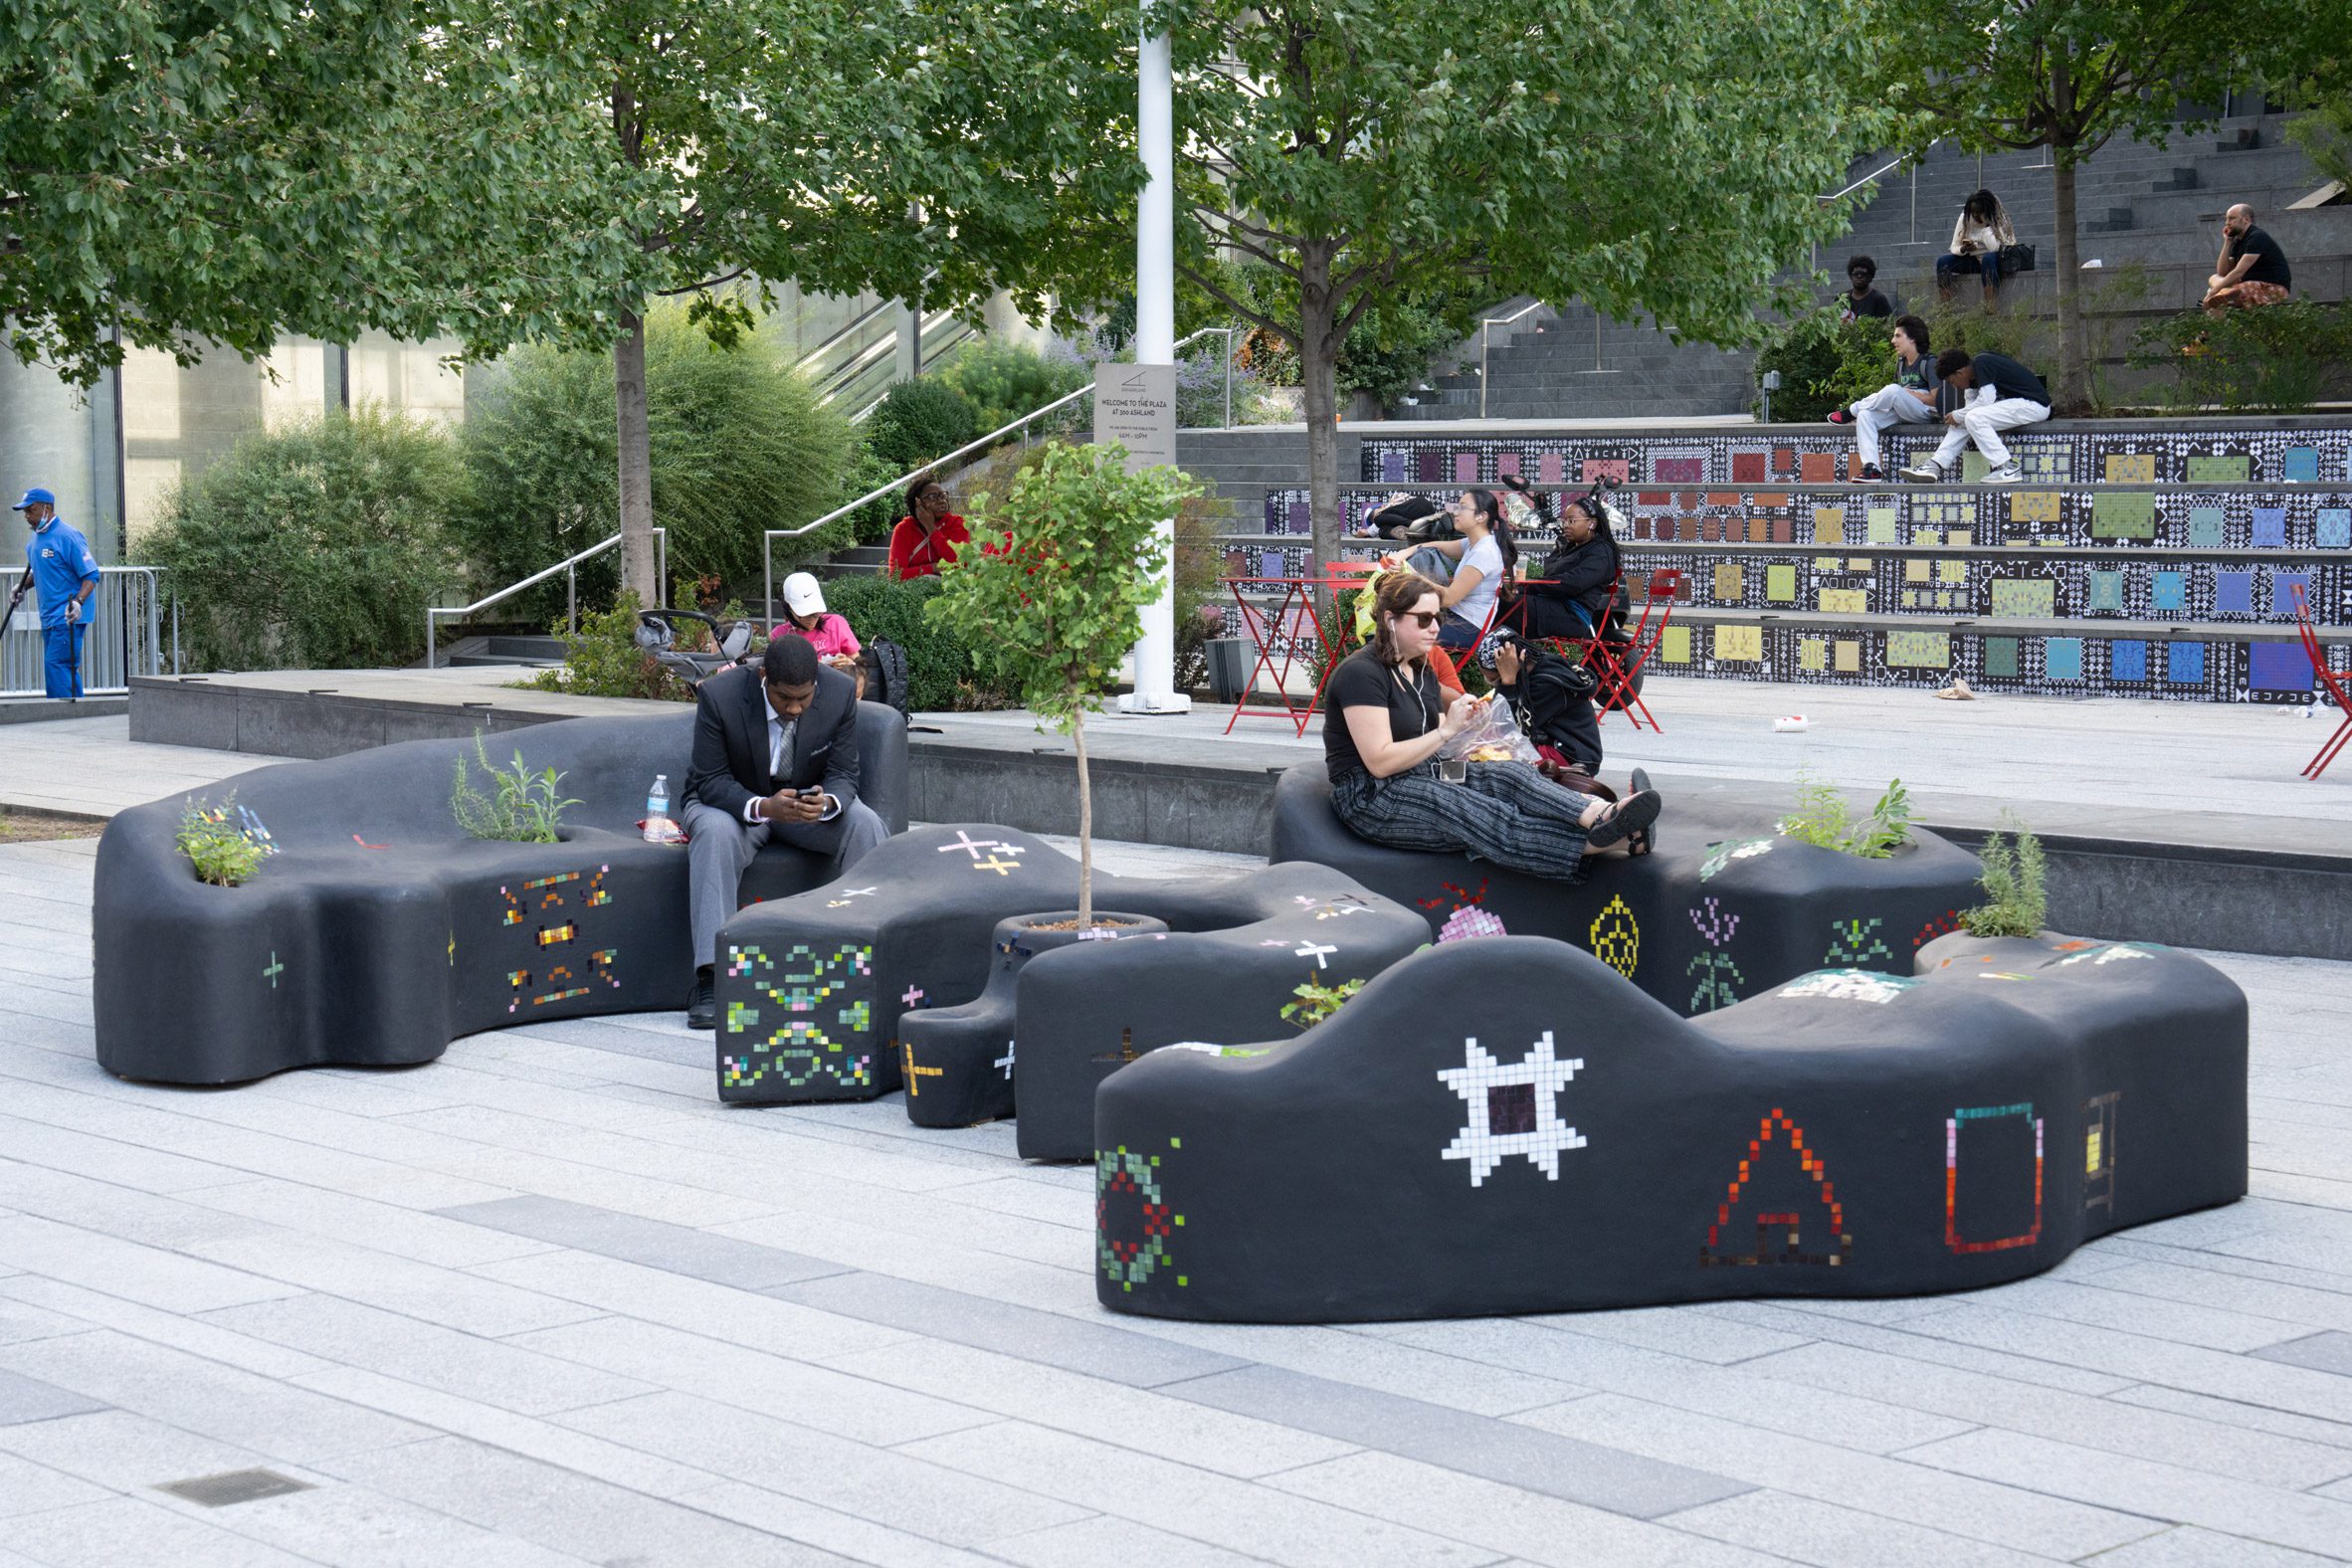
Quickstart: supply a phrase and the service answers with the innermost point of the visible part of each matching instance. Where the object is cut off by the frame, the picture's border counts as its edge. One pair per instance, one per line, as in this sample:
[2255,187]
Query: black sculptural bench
[377,932]
[894,975]
[1508,1126]
[1721,911]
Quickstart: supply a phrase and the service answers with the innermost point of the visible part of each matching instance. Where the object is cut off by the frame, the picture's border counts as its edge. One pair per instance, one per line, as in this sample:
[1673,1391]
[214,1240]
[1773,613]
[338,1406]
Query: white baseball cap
[802,596]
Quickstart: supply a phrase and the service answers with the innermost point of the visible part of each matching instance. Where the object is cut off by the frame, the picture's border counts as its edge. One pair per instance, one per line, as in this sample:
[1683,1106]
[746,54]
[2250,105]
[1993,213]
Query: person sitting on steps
[2000,394]
[1908,398]
[1979,235]
[1383,726]
[775,756]
[2252,270]
[1863,299]
[1467,571]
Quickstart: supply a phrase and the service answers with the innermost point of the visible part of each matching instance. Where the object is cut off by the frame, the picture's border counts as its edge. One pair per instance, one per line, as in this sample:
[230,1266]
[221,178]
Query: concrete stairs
[503,649]
[2137,203]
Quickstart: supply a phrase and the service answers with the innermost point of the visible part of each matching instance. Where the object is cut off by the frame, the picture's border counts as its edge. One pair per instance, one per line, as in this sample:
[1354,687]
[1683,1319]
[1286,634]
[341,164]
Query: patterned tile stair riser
[2206,531]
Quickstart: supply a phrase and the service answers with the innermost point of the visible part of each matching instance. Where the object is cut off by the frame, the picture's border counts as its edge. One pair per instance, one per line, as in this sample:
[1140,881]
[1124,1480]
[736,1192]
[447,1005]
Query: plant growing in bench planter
[1049,612]
[2016,901]
[222,852]
[1823,819]
[526,808]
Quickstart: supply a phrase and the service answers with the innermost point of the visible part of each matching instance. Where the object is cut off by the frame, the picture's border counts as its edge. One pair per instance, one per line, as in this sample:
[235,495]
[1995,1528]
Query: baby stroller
[657,633]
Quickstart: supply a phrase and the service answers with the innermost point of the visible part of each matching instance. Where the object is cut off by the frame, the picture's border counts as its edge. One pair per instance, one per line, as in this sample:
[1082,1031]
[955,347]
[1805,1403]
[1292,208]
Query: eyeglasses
[1425,619]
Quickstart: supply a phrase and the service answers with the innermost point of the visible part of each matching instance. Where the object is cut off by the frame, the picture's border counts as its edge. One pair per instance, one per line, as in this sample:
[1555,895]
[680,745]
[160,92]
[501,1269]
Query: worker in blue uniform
[59,564]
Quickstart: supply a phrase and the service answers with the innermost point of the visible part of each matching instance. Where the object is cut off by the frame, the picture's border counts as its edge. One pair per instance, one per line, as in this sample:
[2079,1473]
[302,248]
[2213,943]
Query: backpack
[887,675]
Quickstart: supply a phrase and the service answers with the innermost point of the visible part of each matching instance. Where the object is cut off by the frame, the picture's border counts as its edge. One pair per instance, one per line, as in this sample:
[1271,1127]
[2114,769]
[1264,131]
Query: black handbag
[2016,259]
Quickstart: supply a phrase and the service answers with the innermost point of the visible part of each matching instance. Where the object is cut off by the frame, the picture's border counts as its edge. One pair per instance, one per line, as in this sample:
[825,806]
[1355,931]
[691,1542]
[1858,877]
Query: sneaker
[1838,416]
[2007,474]
[702,1002]
[1871,475]
[1924,472]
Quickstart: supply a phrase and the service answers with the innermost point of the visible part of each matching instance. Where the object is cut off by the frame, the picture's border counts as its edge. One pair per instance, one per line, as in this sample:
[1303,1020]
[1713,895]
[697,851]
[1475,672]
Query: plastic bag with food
[1493,737]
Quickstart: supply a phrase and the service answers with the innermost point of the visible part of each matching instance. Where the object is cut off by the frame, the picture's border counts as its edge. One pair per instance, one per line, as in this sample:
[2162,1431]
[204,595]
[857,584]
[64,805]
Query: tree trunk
[639,575]
[1078,738]
[1318,373]
[2072,398]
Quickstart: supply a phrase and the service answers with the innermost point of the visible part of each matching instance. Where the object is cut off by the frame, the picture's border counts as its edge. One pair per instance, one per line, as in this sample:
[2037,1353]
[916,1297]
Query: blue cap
[35,493]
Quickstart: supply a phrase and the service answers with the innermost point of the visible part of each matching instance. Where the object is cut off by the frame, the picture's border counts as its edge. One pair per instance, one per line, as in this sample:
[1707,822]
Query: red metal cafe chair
[2328,680]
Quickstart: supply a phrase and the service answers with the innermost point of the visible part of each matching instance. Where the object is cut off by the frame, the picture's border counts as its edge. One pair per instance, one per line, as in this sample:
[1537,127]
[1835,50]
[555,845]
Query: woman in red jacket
[927,537]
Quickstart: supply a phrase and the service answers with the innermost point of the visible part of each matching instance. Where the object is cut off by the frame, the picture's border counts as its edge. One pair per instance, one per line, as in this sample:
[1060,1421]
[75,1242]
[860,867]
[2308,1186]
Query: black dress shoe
[702,1002]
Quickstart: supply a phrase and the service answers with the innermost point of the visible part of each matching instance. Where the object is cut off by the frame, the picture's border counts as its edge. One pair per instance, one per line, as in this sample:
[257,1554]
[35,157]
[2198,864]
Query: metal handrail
[1498,321]
[570,567]
[768,538]
[124,636]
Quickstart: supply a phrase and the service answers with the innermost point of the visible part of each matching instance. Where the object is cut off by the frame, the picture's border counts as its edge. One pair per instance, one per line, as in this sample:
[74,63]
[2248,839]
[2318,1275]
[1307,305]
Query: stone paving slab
[544,1302]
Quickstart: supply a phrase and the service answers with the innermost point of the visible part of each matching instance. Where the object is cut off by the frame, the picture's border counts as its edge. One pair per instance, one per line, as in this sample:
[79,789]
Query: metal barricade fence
[125,637]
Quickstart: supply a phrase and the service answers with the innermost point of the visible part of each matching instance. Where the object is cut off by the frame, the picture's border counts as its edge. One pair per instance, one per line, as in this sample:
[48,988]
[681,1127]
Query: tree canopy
[235,170]
[1665,158]
[2072,74]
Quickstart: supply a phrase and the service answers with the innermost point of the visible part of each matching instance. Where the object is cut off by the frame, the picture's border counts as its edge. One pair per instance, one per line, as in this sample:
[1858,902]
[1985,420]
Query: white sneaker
[2007,474]
[1924,472]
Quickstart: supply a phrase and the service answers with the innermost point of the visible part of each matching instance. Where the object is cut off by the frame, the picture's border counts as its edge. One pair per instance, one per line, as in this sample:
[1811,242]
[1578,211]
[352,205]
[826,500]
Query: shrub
[1824,820]
[526,808]
[1003,381]
[915,422]
[2277,358]
[223,854]
[940,674]
[868,470]
[1824,363]
[602,659]
[2017,899]
[738,443]
[313,546]
[1318,1001]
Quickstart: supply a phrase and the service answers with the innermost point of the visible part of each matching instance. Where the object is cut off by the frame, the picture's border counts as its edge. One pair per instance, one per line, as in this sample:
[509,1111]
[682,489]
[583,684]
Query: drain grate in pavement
[245,1485]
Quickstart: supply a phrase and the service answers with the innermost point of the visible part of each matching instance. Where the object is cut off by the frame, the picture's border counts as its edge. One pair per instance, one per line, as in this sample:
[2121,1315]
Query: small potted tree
[1051,610]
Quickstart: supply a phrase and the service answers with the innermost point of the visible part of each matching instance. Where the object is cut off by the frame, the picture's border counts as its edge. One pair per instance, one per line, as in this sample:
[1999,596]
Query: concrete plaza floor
[547,1301]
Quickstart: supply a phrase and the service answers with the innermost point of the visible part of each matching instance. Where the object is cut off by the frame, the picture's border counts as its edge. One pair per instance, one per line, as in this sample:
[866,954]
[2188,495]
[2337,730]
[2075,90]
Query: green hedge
[314,546]
[939,663]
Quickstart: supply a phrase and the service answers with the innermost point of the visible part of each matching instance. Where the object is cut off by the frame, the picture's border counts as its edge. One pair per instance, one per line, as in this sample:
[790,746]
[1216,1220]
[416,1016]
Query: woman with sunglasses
[1384,723]
[1469,570]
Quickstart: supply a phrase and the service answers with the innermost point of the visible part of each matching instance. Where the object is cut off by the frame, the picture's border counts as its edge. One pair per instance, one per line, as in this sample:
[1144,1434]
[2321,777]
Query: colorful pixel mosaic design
[1779,1232]
[552,978]
[1133,1221]
[2098,1152]
[2150,563]
[1616,937]
[1719,978]
[818,1007]
[1994,1166]
[1512,1109]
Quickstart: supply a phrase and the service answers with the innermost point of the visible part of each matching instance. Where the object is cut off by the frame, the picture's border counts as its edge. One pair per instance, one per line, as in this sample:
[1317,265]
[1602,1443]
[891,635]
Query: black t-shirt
[2270,260]
[1362,681]
[2008,378]
[1871,303]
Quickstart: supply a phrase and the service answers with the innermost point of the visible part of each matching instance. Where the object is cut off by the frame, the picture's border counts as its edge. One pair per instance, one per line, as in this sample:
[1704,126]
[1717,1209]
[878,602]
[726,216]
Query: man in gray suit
[775,756]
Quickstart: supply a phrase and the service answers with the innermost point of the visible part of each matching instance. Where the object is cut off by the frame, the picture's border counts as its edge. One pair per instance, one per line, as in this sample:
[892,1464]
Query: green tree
[736,442]
[1050,615]
[1663,157]
[2071,75]
[897,145]
[182,174]
[313,547]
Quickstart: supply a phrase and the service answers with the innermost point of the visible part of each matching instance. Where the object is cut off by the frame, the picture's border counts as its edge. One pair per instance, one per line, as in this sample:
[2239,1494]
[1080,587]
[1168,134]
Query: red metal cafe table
[1276,632]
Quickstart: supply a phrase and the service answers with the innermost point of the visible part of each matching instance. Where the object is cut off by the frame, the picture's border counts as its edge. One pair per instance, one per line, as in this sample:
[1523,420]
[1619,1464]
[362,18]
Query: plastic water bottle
[657,811]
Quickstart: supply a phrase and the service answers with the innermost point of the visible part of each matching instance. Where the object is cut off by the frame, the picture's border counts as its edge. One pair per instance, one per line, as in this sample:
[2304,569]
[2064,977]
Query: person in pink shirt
[806,616]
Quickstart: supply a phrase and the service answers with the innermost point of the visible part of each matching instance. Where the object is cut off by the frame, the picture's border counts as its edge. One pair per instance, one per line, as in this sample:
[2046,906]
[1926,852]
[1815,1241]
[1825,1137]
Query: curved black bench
[817,993]
[1508,1126]
[378,933]
[1723,909]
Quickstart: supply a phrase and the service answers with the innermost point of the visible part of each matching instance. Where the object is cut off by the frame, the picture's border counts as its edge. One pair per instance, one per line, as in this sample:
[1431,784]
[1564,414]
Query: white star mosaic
[1512,1109]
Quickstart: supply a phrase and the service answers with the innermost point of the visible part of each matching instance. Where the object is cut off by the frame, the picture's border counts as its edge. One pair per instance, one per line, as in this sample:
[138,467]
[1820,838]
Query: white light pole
[1155,345]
